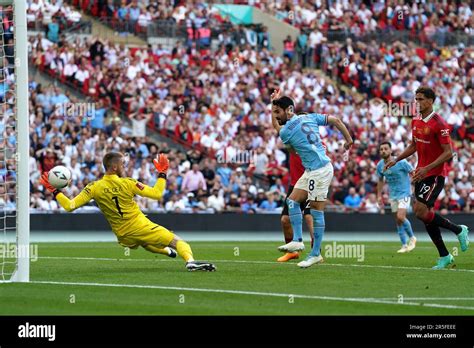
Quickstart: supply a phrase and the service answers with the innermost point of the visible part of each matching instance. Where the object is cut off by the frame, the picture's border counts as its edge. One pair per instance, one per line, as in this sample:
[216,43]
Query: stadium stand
[215,102]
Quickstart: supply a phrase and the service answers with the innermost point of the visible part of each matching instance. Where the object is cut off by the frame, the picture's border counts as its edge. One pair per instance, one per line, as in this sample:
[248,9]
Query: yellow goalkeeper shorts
[151,234]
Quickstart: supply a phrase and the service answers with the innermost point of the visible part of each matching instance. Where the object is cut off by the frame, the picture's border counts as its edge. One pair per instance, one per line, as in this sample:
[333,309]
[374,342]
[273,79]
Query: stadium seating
[216,101]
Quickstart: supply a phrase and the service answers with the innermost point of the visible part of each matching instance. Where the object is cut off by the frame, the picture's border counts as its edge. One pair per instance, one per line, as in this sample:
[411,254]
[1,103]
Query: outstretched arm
[155,192]
[72,204]
[161,164]
[410,150]
[334,121]
[68,204]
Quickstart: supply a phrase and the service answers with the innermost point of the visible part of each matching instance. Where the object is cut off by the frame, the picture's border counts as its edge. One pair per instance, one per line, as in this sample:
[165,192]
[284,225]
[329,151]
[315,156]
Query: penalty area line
[255,293]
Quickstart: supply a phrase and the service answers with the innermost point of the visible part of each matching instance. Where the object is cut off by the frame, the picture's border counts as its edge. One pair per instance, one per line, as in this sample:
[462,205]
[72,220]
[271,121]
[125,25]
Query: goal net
[14,143]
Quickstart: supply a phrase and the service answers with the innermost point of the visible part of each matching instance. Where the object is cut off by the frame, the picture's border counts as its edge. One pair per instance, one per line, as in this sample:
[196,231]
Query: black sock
[435,235]
[287,239]
[445,223]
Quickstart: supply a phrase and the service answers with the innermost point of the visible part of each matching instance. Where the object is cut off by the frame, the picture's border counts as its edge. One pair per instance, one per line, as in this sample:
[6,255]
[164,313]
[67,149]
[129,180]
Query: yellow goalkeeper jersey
[114,196]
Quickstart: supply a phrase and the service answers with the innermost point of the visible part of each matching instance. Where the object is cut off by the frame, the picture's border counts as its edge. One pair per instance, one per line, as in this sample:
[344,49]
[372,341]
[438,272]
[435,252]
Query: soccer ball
[59,176]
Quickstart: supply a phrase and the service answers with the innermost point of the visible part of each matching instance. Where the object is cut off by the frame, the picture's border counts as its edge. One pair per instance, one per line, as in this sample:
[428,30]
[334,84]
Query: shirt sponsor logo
[418,140]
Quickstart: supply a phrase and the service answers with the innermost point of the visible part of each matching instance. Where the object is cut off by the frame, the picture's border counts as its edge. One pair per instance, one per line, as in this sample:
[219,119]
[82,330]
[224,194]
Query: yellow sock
[184,250]
[156,250]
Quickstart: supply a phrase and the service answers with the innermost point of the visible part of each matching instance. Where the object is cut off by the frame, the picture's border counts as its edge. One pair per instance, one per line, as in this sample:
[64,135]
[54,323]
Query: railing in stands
[168,28]
[405,36]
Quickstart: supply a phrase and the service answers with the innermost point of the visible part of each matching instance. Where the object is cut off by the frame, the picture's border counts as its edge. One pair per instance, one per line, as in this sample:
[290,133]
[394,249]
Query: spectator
[268,205]
[302,48]
[174,205]
[194,180]
[353,200]
[250,207]
[370,204]
[288,48]
[233,205]
[278,187]
[49,204]
[139,122]
[53,31]
[216,201]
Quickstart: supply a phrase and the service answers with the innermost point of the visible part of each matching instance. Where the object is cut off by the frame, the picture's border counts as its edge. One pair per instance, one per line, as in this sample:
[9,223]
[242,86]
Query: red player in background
[432,142]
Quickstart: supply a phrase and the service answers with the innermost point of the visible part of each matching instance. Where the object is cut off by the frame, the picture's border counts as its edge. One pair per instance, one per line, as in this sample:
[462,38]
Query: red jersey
[296,168]
[428,136]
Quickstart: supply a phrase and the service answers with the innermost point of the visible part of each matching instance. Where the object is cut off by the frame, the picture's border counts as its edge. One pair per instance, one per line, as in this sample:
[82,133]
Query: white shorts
[402,203]
[316,182]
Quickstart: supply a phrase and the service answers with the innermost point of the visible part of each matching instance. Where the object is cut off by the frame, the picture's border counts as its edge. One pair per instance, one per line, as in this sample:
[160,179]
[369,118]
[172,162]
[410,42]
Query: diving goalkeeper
[114,195]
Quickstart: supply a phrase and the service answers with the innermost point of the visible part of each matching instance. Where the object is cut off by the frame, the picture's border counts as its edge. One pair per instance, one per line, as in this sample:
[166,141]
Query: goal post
[15,157]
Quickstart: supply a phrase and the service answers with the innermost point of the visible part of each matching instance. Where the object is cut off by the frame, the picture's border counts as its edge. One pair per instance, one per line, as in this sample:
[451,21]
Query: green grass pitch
[98,278]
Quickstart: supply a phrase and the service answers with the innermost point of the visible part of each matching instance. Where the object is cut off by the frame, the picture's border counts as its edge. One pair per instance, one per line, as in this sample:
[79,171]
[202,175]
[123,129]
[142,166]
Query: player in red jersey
[432,142]
[296,170]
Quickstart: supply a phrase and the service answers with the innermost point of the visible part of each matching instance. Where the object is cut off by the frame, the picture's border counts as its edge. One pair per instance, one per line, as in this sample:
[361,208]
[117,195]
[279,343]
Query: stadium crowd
[51,15]
[361,17]
[188,98]
[215,102]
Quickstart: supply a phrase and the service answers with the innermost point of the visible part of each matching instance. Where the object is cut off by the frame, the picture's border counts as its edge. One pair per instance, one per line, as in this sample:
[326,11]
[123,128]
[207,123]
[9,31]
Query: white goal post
[20,156]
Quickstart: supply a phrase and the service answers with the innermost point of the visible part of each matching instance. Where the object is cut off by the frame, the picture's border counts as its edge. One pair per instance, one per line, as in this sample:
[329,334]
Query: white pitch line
[396,267]
[256,262]
[257,293]
[426,298]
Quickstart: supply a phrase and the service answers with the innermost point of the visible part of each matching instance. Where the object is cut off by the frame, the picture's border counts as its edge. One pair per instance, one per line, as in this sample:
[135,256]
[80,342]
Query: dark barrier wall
[231,222]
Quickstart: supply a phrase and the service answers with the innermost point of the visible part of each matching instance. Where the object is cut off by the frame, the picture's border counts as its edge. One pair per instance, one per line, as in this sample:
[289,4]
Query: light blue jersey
[397,178]
[302,133]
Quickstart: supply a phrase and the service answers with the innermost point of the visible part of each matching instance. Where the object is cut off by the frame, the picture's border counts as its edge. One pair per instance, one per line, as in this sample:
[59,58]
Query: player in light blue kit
[301,134]
[398,180]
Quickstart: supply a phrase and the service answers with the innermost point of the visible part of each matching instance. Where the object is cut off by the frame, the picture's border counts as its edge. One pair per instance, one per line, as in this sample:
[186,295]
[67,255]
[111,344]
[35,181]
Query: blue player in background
[398,180]
[300,133]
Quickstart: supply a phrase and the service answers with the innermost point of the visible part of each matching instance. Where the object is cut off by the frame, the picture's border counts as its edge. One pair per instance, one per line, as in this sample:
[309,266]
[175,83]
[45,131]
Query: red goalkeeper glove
[45,182]
[162,164]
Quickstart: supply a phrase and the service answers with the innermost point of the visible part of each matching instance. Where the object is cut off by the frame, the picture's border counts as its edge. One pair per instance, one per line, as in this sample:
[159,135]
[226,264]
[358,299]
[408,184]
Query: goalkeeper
[114,195]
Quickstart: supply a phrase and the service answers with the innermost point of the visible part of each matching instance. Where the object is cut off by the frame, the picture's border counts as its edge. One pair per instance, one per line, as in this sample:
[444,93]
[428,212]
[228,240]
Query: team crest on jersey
[140,186]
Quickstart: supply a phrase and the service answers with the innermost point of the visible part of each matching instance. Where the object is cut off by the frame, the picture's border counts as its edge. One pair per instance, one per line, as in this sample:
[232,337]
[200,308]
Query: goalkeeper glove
[45,182]
[162,164]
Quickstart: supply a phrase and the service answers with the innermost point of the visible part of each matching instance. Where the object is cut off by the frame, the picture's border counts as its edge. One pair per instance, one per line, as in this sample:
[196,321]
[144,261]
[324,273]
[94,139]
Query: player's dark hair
[385,143]
[427,92]
[110,159]
[284,102]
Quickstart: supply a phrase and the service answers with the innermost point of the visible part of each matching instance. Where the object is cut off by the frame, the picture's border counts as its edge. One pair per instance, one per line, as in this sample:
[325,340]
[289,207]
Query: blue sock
[402,234]
[296,219]
[407,226]
[319,224]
